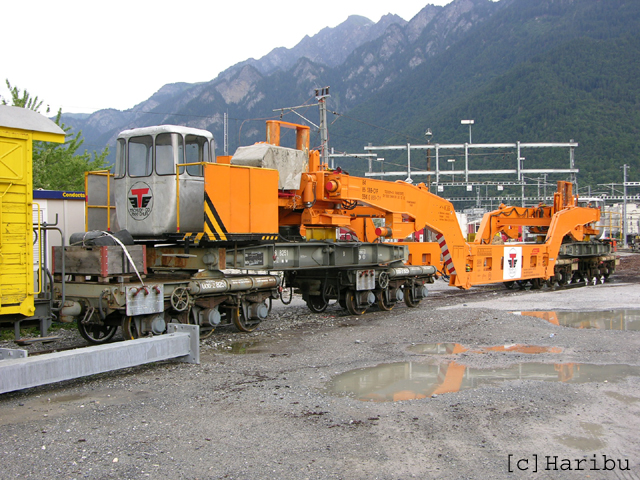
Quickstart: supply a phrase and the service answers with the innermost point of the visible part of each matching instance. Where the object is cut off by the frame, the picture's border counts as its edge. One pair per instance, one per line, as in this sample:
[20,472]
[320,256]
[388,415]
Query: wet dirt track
[458,388]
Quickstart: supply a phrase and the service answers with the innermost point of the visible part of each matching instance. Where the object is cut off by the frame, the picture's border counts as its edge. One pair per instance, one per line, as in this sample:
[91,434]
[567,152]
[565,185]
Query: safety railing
[108,207]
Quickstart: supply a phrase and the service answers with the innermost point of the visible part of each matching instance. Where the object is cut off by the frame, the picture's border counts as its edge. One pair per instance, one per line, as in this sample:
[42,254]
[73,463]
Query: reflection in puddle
[606,320]
[409,380]
[452,348]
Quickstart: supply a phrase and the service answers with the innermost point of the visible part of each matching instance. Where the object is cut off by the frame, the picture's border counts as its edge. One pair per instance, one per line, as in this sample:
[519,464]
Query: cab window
[140,156]
[166,145]
[120,169]
[197,150]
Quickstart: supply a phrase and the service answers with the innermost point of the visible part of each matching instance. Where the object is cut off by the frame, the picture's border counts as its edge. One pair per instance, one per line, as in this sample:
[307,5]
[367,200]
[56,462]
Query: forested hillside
[536,71]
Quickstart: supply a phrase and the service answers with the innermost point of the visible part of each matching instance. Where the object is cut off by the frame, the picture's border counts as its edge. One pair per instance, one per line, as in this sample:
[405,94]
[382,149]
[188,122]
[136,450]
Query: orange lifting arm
[507,219]
[408,209]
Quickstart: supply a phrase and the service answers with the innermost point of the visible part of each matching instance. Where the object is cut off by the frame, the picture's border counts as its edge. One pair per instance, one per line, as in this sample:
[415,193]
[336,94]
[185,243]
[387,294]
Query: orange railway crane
[564,249]
[273,213]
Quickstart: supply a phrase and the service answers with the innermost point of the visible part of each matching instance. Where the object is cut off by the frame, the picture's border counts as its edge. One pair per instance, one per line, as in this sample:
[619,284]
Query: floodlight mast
[428,134]
[468,122]
[625,167]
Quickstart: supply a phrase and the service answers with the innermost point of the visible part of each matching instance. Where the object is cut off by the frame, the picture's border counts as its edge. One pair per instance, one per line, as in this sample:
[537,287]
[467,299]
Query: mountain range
[524,70]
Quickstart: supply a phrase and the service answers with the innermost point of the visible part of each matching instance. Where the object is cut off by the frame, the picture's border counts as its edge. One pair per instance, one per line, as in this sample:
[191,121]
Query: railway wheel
[382,298]
[129,328]
[316,303]
[352,305]
[536,283]
[410,299]
[97,334]
[509,285]
[610,270]
[562,278]
[241,322]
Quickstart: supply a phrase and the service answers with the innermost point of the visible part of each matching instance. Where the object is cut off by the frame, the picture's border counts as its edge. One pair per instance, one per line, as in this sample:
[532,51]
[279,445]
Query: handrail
[39,254]
[2,229]
[108,206]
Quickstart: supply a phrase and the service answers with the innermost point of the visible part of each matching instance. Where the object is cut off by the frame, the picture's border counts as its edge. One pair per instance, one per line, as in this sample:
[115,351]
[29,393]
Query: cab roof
[136,132]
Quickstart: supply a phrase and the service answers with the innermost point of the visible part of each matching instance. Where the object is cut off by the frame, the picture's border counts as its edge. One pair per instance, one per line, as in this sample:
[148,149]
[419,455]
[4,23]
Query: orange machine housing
[240,200]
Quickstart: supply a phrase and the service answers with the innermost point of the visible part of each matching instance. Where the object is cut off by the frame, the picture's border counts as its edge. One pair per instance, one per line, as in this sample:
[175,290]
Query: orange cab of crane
[243,199]
[240,200]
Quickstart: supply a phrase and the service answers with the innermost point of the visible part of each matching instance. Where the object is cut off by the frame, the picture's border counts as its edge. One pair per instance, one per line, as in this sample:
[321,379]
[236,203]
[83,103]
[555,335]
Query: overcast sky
[85,55]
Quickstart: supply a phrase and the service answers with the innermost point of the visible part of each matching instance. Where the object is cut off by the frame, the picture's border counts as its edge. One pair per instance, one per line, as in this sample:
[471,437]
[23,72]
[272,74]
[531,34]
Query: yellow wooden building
[19,128]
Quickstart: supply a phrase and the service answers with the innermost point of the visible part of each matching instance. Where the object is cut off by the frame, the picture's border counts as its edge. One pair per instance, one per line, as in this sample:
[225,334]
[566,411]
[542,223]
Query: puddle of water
[627,399]
[453,348]
[52,406]
[65,398]
[409,380]
[588,443]
[605,320]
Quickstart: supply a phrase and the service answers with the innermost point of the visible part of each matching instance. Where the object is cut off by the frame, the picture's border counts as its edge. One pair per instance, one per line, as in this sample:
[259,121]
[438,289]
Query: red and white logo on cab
[140,201]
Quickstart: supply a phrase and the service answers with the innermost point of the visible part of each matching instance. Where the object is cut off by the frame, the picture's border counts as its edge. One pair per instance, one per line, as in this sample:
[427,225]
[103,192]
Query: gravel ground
[300,398]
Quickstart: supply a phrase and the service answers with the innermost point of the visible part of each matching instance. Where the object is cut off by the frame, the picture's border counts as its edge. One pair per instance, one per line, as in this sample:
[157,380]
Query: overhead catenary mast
[226,133]
[321,95]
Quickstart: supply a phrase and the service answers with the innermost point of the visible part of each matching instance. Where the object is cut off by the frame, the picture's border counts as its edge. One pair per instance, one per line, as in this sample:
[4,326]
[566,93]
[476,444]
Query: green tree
[57,166]
[25,100]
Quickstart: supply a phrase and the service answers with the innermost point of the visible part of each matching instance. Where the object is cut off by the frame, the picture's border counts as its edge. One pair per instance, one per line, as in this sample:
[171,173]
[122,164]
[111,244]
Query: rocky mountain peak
[358,57]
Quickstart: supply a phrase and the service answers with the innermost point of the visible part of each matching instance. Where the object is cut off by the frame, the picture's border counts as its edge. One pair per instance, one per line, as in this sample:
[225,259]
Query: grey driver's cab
[145,184]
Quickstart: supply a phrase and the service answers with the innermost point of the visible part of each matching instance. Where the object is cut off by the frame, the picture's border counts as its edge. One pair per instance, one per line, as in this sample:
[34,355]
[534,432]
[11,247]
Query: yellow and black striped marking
[195,238]
[203,240]
[213,225]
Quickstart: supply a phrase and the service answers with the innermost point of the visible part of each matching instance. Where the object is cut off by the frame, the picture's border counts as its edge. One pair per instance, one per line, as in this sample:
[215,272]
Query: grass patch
[7,334]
